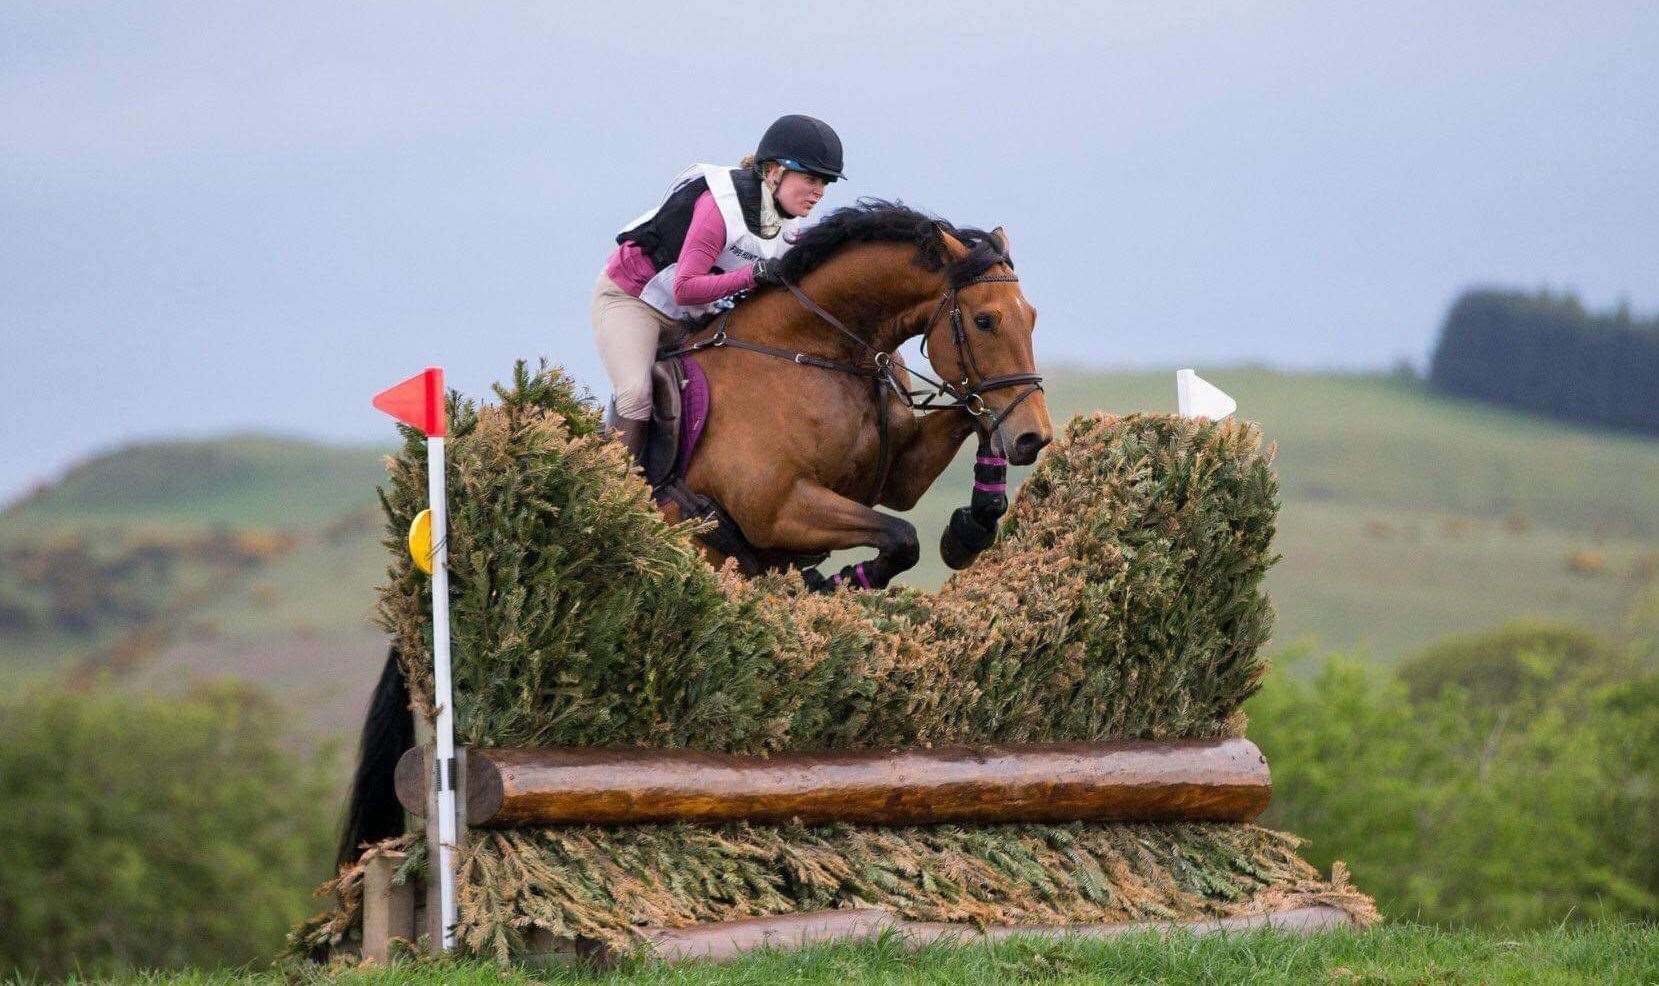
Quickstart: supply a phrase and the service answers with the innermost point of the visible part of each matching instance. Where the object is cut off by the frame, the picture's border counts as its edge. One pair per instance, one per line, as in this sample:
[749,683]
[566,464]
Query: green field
[1391,954]
[1406,517]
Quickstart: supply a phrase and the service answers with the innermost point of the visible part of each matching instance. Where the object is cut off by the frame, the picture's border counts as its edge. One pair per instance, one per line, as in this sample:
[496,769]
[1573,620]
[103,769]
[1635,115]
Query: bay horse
[814,422]
[813,417]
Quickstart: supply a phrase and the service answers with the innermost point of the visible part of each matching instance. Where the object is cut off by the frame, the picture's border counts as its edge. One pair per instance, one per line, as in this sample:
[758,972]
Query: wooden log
[1186,780]
[729,939]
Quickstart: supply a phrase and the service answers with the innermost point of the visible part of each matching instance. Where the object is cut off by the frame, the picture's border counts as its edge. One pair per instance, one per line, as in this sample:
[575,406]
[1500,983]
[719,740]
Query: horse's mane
[880,221]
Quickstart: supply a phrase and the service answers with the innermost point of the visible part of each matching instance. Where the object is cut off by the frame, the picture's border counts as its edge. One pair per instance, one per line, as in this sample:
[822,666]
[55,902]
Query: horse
[814,422]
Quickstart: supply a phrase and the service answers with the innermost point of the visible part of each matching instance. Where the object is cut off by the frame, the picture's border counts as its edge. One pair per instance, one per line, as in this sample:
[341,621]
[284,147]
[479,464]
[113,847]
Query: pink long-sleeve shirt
[694,281]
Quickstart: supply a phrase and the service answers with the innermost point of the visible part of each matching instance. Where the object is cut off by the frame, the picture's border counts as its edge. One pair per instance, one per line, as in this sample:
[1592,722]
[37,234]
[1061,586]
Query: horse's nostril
[1027,446]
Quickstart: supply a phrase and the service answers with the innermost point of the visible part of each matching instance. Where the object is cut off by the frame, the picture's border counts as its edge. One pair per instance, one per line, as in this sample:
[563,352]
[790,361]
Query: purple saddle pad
[694,413]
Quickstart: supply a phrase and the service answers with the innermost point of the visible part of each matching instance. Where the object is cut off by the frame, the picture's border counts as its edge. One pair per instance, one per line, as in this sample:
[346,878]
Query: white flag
[1196,397]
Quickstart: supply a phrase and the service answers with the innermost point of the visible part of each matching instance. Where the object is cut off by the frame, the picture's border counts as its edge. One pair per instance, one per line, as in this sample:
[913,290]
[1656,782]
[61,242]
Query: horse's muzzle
[1024,449]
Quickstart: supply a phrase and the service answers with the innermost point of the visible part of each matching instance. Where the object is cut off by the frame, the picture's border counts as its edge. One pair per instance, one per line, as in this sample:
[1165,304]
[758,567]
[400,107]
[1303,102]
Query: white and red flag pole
[419,403]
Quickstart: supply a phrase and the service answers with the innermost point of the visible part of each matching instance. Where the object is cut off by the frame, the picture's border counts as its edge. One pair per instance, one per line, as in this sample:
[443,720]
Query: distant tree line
[1545,353]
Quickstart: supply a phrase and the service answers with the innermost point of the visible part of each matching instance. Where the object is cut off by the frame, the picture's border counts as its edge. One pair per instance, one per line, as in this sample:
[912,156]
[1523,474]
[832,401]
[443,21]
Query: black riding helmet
[802,143]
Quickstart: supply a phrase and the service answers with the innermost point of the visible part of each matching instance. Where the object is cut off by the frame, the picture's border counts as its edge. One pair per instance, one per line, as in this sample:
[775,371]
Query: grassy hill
[1406,516]
[240,481]
[249,556]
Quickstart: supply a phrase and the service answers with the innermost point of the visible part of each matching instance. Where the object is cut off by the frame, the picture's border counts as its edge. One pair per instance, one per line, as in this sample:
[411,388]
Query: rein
[963,394]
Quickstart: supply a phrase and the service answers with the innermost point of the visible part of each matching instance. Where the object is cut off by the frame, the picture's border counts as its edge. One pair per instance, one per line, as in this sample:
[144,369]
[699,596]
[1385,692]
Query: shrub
[1516,666]
[1519,791]
[151,831]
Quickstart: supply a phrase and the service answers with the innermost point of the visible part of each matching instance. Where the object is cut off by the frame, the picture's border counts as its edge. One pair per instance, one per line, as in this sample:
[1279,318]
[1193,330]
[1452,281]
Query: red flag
[417,401]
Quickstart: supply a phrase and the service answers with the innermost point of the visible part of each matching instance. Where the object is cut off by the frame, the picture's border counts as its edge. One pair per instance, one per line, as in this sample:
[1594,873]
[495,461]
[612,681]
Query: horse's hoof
[955,556]
[815,581]
[964,538]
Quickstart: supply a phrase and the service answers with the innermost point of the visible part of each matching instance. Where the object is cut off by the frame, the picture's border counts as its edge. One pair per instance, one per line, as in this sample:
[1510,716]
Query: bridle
[965,394]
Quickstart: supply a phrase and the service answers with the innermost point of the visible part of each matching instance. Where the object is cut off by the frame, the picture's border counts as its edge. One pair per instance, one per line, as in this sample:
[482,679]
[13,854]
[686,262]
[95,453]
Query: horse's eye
[985,321]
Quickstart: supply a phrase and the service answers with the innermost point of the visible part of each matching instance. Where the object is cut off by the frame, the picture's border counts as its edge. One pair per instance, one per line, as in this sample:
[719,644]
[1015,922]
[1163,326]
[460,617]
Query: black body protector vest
[661,233]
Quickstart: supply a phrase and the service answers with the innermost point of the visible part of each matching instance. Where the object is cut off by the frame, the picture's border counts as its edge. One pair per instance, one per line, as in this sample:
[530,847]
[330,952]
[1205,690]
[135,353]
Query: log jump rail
[1223,780]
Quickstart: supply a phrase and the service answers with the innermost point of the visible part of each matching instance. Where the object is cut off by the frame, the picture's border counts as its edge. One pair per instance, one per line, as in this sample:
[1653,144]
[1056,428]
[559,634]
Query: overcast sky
[221,217]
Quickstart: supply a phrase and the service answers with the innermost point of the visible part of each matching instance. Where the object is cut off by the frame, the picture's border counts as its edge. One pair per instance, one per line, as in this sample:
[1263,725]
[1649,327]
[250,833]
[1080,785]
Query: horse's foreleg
[813,518]
[972,528]
[933,444]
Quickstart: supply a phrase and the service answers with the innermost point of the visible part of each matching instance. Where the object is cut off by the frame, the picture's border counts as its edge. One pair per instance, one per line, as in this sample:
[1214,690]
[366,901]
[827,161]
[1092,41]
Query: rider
[718,231]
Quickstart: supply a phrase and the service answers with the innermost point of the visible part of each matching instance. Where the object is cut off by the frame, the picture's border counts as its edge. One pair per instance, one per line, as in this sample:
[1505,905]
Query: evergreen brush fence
[1122,601]
[1545,353]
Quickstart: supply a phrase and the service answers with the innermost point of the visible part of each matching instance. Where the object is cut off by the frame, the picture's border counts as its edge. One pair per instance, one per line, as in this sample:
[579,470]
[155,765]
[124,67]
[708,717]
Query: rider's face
[796,192]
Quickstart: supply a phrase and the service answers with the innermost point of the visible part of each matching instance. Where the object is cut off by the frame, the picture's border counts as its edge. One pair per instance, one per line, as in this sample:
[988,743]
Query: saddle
[679,410]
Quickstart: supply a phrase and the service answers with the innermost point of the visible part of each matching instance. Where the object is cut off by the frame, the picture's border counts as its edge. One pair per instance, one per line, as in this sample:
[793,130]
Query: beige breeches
[627,332]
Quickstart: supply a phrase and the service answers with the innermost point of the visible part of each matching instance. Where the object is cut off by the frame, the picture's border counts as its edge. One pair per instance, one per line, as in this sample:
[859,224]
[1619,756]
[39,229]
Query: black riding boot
[632,433]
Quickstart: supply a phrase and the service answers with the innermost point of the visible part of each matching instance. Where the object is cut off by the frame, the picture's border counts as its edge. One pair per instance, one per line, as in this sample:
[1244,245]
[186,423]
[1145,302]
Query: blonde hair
[748,162]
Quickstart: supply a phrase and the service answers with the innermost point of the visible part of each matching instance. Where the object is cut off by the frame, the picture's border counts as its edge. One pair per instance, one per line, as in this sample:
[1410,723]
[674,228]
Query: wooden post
[388,909]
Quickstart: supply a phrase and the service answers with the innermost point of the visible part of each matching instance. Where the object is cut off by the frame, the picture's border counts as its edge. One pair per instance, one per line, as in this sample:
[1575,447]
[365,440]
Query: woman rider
[719,231]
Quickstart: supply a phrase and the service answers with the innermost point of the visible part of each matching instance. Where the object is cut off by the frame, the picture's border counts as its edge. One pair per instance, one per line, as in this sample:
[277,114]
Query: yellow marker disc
[420,541]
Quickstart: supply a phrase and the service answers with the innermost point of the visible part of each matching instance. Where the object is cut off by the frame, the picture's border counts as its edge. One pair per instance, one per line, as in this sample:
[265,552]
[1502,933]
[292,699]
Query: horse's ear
[1000,235]
[955,249]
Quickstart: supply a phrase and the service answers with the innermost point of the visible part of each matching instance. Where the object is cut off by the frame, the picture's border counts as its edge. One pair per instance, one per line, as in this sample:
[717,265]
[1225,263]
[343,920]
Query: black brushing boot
[973,528]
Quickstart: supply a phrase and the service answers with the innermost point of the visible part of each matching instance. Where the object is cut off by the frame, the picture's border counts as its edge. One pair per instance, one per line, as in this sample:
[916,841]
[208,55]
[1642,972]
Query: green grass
[1391,954]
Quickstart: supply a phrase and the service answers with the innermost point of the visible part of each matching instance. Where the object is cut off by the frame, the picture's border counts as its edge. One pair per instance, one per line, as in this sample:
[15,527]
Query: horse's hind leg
[672,513]
[813,518]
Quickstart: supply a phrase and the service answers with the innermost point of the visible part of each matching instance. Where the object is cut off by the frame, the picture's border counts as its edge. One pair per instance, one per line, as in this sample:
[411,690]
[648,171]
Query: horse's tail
[373,813]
